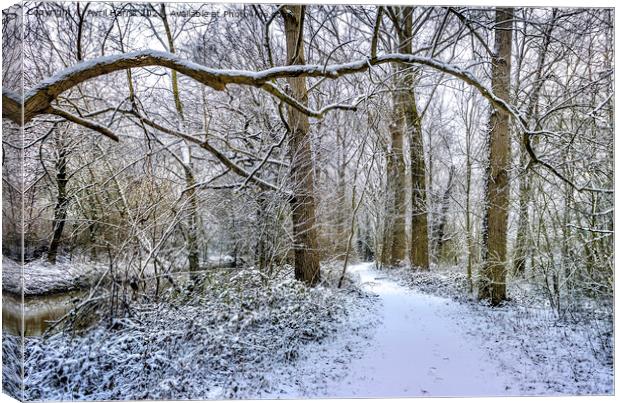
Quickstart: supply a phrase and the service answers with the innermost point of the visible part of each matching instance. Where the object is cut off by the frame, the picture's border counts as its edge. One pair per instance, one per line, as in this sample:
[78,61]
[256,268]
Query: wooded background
[423,136]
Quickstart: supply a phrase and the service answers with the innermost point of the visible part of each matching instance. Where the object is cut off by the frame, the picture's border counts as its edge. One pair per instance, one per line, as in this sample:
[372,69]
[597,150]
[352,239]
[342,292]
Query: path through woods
[419,348]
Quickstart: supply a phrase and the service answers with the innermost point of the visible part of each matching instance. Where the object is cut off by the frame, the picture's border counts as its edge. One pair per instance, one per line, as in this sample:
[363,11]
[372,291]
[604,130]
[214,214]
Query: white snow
[418,349]
[40,277]
[249,337]
[220,342]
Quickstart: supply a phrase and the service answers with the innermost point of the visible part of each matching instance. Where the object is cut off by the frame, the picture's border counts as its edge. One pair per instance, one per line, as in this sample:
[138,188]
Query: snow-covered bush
[11,368]
[214,342]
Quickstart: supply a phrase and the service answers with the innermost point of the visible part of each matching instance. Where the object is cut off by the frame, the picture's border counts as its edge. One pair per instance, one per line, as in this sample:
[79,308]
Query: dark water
[38,313]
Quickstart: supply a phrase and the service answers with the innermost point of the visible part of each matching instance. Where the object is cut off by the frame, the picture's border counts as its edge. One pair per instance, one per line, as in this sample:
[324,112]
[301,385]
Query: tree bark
[193,257]
[388,214]
[520,248]
[60,210]
[443,216]
[418,255]
[492,286]
[341,235]
[307,264]
[468,214]
[419,211]
[398,236]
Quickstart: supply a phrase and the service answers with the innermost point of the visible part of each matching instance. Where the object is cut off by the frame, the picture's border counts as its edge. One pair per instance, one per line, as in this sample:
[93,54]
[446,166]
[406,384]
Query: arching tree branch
[38,99]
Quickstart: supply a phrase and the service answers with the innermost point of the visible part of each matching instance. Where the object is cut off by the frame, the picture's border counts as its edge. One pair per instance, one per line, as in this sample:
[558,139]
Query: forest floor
[387,333]
[39,277]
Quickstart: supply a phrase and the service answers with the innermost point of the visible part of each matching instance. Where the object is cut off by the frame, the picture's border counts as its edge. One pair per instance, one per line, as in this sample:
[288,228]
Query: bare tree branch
[38,99]
[83,122]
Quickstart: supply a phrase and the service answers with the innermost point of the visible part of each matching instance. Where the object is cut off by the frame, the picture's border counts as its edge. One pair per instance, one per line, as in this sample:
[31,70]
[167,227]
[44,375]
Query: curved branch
[278,93]
[38,99]
[228,163]
[465,22]
[375,33]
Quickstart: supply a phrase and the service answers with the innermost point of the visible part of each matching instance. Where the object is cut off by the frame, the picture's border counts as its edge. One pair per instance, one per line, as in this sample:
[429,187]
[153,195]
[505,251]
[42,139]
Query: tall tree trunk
[520,248]
[340,241]
[396,233]
[419,210]
[398,236]
[443,215]
[60,210]
[492,285]
[260,249]
[193,257]
[468,223]
[307,264]
[388,214]
[418,254]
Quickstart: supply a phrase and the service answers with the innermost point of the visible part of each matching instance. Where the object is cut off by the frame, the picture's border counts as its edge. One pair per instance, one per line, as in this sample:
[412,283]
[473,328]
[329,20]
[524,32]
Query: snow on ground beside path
[545,356]
[322,365]
[426,345]
[249,337]
[239,337]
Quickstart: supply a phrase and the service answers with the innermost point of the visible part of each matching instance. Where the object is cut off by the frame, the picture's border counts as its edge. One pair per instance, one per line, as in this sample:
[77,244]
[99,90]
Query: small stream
[39,312]
[42,311]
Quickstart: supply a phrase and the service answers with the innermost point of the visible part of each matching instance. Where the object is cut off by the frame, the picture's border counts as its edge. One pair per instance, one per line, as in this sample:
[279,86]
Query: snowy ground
[248,337]
[420,350]
[417,350]
[545,355]
[41,277]
[240,336]
[426,345]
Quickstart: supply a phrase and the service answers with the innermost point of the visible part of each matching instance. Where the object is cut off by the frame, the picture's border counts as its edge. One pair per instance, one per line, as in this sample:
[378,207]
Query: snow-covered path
[418,349]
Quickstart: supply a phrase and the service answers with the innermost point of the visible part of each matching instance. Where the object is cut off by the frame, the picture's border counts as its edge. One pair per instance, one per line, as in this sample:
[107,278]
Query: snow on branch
[83,122]
[11,106]
[38,99]
[598,230]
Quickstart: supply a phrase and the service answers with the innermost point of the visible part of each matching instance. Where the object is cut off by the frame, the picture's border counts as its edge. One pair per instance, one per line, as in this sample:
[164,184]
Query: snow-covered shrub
[11,368]
[214,342]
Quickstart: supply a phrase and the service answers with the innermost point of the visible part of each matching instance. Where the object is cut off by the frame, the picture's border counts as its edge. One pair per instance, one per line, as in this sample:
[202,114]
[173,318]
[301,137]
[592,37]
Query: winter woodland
[206,201]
